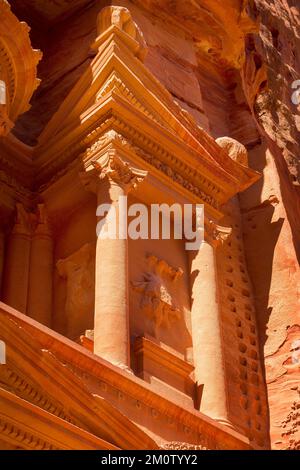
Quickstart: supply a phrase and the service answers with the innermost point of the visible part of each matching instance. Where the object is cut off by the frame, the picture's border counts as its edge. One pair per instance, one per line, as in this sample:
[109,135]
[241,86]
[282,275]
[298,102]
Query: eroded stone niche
[74,273]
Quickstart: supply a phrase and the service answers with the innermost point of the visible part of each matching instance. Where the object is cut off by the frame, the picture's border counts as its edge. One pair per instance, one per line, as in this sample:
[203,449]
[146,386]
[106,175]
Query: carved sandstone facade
[162,343]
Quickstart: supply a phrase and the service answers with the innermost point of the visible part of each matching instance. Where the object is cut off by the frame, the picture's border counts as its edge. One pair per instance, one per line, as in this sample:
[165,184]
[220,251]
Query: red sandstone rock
[230,66]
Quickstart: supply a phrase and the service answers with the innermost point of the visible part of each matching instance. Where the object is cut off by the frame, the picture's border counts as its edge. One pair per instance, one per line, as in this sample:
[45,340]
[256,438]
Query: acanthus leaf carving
[120,171]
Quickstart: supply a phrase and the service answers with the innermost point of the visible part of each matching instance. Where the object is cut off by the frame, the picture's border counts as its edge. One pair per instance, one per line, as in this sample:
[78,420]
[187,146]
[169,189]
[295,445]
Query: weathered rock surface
[232,65]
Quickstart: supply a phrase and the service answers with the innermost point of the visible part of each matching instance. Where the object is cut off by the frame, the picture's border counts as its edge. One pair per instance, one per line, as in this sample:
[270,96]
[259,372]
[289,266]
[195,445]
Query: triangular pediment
[39,378]
[118,92]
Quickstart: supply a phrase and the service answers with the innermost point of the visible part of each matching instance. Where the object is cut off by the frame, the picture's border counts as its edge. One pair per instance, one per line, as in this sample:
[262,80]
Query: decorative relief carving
[25,440]
[158,163]
[119,171]
[157,302]
[154,155]
[182,446]
[78,270]
[111,166]
[175,176]
[116,84]
[24,389]
[217,233]
[101,142]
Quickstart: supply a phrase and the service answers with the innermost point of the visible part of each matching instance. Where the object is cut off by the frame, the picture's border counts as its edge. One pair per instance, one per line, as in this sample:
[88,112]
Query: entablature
[118,94]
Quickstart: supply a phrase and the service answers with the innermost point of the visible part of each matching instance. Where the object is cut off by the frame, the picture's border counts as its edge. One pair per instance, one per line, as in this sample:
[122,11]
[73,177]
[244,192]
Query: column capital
[42,222]
[23,221]
[216,234]
[113,168]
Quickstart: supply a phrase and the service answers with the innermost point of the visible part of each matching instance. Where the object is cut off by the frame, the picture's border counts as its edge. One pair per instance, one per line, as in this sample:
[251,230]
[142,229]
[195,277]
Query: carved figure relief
[157,302]
[78,271]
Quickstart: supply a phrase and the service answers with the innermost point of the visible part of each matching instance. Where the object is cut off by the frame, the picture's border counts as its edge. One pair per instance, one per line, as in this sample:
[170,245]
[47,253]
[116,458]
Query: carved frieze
[127,99]
[183,446]
[158,158]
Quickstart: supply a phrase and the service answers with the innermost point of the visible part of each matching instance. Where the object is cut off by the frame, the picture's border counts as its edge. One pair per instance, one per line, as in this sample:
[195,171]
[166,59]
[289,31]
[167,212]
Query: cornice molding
[101,418]
[118,93]
[19,327]
[29,427]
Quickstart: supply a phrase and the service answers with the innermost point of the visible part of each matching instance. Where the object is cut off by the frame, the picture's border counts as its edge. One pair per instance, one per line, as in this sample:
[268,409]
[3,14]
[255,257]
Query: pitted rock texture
[232,65]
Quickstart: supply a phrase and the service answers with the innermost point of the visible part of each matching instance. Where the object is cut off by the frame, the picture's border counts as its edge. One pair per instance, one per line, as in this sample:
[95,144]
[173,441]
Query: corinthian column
[207,331]
[17,262]
[111,179]
[41,271]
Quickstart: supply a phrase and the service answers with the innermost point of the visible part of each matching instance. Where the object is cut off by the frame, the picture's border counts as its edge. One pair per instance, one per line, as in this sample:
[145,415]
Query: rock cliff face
[271,210]
[233,65]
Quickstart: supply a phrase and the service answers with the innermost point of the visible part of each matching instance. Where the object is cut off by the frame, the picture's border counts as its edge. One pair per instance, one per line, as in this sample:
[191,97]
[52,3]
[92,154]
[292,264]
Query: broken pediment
[38,379]
[55,394]
[117,92]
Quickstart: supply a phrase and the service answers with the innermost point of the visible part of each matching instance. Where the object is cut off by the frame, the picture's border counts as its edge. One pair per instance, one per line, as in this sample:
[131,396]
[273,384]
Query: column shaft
[40,278]
[111,329]
[15,289]
[206,332]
